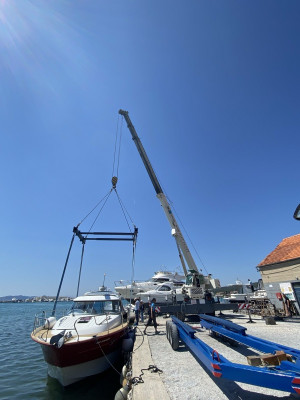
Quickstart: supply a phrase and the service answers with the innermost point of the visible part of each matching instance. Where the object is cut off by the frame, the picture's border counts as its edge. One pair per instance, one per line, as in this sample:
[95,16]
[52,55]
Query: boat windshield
[125,303]
[160,280]
[95,307]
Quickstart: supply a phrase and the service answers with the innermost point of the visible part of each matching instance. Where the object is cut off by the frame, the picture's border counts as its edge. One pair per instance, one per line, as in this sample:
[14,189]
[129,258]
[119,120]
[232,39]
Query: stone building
[280,272]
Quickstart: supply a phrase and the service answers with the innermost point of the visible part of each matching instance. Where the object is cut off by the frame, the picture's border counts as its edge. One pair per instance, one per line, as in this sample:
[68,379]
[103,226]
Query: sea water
[23,371]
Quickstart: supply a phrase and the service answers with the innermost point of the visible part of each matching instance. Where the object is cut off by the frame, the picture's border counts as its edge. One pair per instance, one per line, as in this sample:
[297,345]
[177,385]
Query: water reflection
[23,370]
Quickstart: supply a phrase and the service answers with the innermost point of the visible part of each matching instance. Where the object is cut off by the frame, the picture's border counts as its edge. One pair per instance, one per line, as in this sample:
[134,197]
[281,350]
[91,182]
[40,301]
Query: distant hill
[18,297]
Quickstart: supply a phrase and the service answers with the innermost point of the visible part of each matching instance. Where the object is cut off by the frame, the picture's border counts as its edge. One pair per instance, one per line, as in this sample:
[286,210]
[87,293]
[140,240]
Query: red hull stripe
[296,381]
[80,352]
[217,374]
[296,389]
[215,366]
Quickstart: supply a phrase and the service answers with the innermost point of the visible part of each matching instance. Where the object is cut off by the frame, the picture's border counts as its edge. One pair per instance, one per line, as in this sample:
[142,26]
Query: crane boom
[176,232]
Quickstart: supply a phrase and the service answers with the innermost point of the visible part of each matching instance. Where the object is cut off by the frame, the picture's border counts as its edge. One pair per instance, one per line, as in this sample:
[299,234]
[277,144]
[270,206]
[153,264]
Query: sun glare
[2,11]
[37,42]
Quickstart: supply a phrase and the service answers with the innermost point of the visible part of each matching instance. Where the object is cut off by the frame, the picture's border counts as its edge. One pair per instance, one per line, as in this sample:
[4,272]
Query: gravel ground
[186,379]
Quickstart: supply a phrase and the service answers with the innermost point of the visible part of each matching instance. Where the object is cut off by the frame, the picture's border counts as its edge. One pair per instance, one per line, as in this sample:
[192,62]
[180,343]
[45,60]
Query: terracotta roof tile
[288,249]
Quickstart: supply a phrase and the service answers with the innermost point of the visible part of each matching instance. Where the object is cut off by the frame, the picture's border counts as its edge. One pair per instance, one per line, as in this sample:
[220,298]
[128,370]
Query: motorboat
[92,336]
[259,294]
[87,340]
[235,293]
[130,290]
[236,297]
[164,294]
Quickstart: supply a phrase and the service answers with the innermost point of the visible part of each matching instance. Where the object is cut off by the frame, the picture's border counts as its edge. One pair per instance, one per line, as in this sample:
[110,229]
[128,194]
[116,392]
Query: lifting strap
[104,200]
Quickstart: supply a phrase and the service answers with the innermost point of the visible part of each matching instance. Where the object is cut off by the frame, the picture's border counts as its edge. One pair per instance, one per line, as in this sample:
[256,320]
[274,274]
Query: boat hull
[77,360]
[74,373]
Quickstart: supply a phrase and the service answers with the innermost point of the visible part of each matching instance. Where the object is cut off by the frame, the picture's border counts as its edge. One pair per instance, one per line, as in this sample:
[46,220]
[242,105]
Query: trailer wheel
[174,336]
[168,329]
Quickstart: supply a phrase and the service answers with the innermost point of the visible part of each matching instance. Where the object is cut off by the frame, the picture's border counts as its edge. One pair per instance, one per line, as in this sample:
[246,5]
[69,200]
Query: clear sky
[213,90]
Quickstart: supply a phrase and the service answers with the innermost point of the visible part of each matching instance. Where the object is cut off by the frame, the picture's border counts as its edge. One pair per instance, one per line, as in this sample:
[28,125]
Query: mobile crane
[196,283]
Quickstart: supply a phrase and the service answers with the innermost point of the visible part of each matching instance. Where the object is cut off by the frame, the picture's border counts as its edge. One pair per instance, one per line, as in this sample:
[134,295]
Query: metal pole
[82,252]
[62,277]
[249,315]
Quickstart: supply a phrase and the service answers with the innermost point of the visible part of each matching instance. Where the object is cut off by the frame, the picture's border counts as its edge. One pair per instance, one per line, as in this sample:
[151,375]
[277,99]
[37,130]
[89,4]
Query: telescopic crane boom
[194,277]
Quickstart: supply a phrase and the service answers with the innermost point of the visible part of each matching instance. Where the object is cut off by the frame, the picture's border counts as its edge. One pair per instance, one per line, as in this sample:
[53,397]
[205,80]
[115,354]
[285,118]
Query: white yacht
[130,290]
[166,293]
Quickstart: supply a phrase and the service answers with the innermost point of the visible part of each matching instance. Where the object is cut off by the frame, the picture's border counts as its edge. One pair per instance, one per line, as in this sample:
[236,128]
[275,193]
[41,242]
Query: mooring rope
[143,339]
[107,359]
[138,379]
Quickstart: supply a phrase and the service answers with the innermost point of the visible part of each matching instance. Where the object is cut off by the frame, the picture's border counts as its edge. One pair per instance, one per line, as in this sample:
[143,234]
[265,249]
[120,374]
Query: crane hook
[114,181]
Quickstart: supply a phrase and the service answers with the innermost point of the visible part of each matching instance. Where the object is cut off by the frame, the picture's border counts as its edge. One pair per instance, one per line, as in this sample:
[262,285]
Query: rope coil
[138,379]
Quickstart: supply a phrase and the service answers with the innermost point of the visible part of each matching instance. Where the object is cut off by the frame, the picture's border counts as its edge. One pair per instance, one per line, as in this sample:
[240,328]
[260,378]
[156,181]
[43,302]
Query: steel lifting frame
[285,377]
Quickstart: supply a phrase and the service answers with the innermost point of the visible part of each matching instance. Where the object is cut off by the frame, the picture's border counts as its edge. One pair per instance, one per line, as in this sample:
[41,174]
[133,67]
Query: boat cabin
[96,305]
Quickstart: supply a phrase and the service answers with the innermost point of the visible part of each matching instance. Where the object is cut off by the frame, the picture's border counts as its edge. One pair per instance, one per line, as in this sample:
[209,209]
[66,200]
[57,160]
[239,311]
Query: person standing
[142,308]
[137,310]
[152,317]
[251,285]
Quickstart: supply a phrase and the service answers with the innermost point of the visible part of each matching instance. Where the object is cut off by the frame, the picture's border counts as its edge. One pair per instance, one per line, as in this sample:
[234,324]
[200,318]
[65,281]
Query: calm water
[23,371]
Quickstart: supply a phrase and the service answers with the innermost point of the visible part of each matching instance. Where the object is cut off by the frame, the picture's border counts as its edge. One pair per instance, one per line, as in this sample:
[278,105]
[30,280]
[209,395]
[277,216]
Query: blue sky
[212,88]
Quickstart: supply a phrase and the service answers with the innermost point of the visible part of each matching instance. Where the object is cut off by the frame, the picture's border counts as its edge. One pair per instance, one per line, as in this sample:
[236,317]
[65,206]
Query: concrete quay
[153,387]
[184,378]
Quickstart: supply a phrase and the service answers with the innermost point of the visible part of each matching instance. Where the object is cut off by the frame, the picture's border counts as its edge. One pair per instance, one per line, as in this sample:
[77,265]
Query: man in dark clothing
[251,285]
[142,308]
[152,317]
[137,310]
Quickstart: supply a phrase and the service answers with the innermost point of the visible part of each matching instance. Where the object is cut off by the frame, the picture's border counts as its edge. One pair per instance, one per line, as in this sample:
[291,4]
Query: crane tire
[174,336]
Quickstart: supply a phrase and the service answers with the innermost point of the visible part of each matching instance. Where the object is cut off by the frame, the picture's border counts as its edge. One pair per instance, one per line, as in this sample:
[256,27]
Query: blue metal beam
[230,330]
[285,377]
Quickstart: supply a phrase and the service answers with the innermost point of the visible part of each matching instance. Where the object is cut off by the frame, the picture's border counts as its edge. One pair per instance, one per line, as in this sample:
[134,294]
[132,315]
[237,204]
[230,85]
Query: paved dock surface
[152,387]
[184,378]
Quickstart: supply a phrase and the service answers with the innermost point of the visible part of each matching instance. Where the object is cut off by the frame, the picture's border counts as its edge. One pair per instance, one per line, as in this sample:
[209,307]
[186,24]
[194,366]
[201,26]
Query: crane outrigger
[196,283]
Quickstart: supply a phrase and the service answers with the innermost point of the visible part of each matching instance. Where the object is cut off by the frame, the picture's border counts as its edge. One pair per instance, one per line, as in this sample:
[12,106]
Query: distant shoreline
[34,300]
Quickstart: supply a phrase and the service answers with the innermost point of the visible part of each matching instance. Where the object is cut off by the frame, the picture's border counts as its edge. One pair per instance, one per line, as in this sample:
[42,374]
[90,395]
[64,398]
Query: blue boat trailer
[285,377]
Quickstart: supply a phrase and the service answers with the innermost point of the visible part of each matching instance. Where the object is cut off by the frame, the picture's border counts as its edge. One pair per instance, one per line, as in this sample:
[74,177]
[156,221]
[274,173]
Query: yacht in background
[129,291]
[166,293]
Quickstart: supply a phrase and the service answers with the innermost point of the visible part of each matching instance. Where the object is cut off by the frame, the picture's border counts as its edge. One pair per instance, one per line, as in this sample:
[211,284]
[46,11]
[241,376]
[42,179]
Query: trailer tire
[174,336]
[168,329]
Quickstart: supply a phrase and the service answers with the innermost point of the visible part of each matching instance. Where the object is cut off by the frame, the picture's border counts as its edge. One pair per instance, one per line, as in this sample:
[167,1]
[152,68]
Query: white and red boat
[86,341]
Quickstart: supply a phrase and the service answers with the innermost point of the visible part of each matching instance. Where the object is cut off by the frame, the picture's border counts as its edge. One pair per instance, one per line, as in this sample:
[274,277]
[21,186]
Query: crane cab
[194,285]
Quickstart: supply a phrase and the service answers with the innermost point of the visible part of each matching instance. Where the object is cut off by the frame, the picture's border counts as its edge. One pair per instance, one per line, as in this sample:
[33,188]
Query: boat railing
[41,318]
[106,320]
[42,323]
[126,283]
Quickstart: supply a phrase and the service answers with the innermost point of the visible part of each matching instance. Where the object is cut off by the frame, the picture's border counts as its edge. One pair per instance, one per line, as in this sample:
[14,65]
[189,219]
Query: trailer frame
[284,377]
